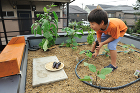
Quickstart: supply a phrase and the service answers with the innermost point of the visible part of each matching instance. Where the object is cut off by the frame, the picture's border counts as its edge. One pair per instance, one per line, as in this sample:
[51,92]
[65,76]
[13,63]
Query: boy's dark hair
[97,15]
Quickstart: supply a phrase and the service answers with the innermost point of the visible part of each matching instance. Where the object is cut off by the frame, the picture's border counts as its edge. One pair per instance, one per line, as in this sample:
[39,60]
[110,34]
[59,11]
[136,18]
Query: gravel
[127,65]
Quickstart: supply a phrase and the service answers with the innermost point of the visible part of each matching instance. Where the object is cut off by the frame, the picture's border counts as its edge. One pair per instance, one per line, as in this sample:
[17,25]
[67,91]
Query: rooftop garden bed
[127,65]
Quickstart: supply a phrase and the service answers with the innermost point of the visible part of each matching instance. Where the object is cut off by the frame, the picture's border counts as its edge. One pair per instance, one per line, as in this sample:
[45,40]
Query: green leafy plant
[73,25]
[86,28]
[100,74]
[71,33]
[78,25]
[138,31]
[137,26]
[87,53]
[128,49]
[106,51]
[129,31]
[46,25]
[90,37]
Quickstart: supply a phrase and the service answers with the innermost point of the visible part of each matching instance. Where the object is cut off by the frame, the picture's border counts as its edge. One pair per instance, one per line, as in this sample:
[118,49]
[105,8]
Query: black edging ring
[105,88]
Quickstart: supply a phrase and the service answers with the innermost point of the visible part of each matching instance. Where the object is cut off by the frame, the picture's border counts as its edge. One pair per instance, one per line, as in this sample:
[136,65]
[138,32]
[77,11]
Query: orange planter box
[11,57]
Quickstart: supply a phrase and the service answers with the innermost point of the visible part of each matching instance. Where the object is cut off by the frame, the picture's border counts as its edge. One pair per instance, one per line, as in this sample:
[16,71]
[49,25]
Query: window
[119,16]
[58,14]
[8,13]
[111,15]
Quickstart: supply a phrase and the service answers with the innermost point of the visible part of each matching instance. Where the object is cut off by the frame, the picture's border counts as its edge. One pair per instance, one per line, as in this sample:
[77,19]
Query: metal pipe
[67,14]
[3,23]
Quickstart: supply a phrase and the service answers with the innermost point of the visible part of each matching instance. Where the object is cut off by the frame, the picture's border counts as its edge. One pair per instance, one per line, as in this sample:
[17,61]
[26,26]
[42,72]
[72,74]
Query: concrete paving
[43,76]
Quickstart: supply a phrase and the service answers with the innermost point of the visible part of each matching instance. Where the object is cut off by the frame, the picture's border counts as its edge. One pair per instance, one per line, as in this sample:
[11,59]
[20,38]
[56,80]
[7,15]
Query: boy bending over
[109,31]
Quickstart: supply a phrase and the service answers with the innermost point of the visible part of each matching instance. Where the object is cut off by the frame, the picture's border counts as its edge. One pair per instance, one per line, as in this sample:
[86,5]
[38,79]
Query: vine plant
[47,25]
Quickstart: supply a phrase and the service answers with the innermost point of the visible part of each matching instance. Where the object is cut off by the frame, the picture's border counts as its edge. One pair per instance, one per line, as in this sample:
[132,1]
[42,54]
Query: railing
[12,31]
[136,34]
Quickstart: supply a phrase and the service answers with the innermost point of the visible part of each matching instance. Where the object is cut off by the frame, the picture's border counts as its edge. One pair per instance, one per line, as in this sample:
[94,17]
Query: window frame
[5,14]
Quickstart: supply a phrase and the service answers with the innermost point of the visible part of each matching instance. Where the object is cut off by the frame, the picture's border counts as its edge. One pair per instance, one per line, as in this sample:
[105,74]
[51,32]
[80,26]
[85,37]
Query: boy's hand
[95,54]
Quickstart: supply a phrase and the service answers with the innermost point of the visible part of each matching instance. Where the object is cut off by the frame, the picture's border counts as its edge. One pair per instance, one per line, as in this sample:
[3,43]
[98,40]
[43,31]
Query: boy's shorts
[111,45]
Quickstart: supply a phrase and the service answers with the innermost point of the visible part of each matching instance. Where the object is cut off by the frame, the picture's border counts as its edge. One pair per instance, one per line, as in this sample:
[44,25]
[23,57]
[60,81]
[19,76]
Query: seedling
[106,52]
[87,53]
[90,37]
[128,49]
[45,26]
[71,33]
[100,74]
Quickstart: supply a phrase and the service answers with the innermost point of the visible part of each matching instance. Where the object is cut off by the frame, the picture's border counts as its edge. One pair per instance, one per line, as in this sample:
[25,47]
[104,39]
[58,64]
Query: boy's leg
[113,52]
[112,47]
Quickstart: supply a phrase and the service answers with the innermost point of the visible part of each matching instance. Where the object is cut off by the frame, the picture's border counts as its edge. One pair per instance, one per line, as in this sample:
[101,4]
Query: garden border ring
[106,88]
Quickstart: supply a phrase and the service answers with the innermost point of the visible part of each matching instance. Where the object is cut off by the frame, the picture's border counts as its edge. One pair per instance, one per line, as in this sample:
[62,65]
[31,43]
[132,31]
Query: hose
[106,88]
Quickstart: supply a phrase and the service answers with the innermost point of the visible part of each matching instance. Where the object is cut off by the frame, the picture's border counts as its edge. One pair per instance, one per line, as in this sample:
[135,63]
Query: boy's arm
[93,48]
[108,40]
[105,42]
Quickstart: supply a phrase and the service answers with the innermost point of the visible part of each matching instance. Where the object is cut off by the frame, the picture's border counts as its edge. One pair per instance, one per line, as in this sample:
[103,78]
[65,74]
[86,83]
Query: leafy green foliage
[86,78]
[137,5]
[47,26]
[106,51]
[90,37]
[137,26]
[129,31]
[87,53]
[86,28]
[74,48]
[71,33]
[45,47]
[92,68]
[100,74]
[78,25]
[128,49]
